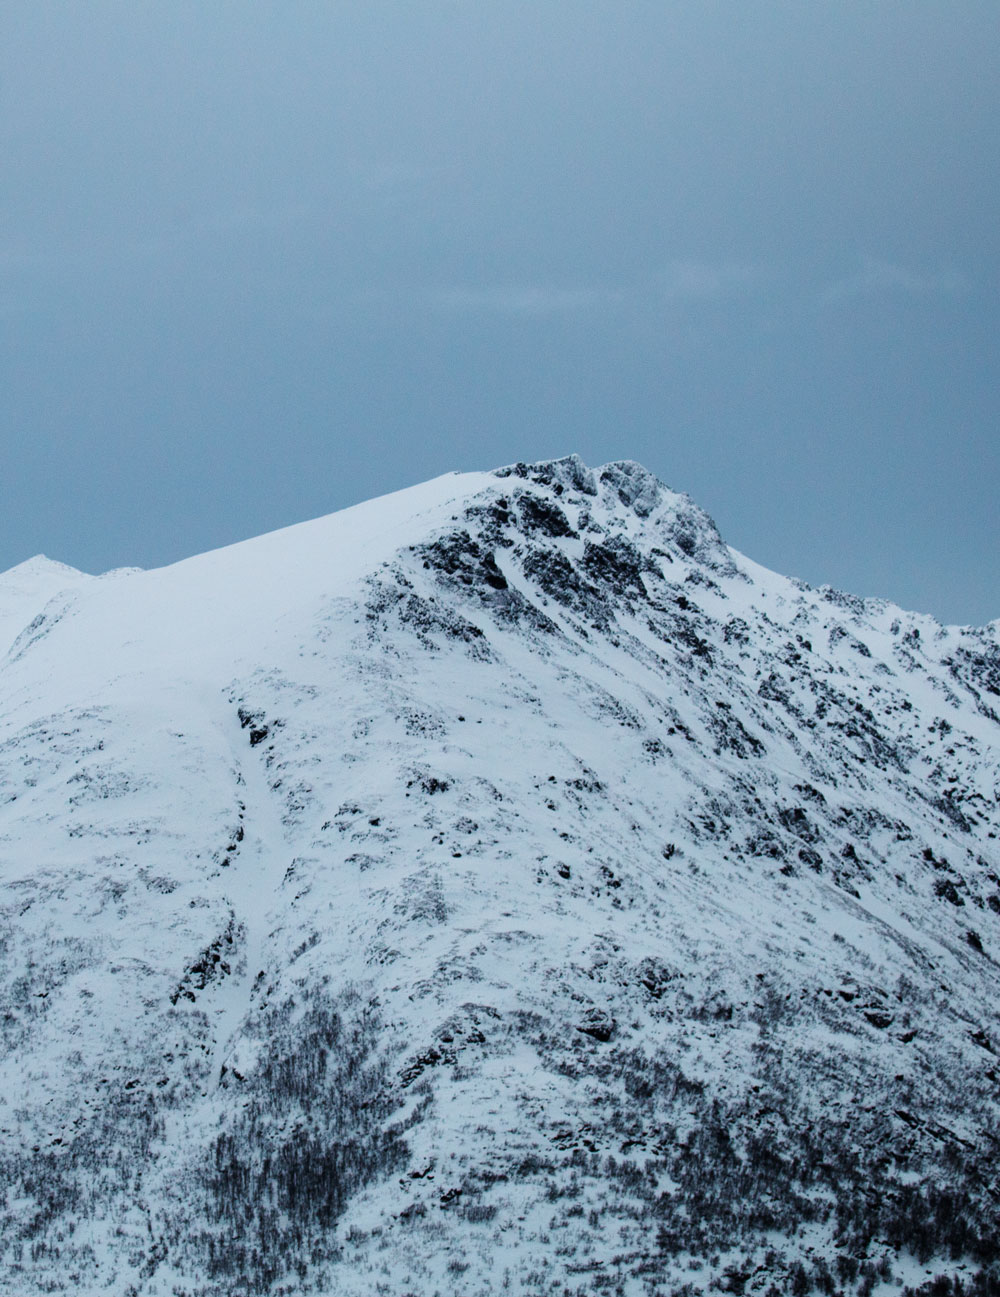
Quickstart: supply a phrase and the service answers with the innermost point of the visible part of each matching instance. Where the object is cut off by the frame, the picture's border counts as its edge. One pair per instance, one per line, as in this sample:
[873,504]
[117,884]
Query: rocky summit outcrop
[500,886]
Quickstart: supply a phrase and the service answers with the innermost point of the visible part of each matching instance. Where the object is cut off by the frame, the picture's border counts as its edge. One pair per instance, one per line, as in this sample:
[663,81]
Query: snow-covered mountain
[499,886]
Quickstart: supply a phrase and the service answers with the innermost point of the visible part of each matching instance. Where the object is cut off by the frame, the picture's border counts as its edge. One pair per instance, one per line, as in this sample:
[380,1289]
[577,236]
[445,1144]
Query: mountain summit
[503,885]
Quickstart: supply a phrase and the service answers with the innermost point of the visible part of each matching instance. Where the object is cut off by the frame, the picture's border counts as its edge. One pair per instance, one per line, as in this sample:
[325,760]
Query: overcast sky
[259,261]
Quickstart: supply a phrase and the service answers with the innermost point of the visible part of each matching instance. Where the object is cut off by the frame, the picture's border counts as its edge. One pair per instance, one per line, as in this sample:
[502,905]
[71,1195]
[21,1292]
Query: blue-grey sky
[261,261]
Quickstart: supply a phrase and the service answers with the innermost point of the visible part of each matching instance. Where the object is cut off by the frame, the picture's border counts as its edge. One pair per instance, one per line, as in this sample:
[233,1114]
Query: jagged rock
[597,1023]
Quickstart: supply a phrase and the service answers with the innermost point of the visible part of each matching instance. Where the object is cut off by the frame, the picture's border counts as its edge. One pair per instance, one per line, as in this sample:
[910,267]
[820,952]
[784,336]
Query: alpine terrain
[501,886]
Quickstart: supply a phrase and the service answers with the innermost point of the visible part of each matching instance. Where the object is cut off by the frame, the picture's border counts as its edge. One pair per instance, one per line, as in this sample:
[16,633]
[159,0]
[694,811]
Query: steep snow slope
[500,884]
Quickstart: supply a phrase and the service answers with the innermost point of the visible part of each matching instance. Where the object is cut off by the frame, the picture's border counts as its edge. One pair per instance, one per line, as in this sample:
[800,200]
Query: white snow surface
[368,885]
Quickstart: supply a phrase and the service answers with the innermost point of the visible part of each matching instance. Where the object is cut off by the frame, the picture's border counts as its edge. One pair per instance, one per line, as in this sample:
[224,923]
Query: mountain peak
[39,568]
[627,485]
[570,472]
[27,588]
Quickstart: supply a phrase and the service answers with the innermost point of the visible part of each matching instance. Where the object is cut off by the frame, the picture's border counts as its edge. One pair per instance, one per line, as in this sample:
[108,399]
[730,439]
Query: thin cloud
[877,277]
[702,280]
[526,299]
[679,281]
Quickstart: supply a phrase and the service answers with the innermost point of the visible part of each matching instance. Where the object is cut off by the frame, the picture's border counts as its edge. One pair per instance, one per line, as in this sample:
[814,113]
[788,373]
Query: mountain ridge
[567,470]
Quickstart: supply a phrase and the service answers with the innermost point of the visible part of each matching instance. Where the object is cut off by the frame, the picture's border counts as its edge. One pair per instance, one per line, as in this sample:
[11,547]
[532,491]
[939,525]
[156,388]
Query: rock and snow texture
[501,885]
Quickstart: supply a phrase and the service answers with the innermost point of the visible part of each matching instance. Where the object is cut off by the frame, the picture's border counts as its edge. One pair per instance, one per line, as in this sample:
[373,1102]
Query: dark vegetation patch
[309,1127]
[747,1172]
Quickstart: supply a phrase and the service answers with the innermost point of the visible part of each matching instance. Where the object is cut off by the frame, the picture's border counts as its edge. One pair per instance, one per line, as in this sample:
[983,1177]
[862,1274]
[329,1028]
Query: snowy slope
[503,883]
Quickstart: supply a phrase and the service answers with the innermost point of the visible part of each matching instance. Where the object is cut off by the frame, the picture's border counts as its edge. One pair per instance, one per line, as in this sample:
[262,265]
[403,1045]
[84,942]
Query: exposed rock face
[503,884]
